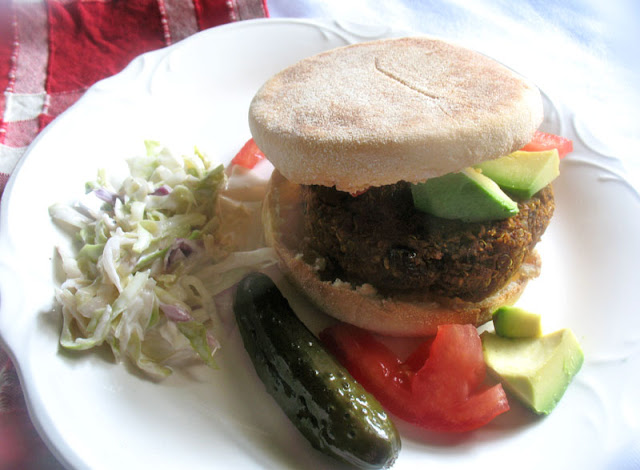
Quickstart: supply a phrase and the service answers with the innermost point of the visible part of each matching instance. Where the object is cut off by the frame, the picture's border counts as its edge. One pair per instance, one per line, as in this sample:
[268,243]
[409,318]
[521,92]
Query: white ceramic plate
[100,415]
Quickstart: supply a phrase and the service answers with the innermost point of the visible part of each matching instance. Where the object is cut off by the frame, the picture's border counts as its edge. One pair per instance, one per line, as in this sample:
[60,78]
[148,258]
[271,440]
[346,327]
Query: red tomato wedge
[439,387]
[543,141]
[248,156]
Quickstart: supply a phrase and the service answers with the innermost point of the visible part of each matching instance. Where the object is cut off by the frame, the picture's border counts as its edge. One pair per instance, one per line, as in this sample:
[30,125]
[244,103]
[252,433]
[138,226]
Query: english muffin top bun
[348,131]
[380,112]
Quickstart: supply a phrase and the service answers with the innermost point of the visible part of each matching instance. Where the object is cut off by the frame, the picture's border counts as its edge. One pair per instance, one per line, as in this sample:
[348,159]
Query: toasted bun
[379,112]
[363,306]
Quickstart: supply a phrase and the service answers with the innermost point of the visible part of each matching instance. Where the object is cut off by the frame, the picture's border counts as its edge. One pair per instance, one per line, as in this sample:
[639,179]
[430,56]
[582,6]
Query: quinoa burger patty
[380,238]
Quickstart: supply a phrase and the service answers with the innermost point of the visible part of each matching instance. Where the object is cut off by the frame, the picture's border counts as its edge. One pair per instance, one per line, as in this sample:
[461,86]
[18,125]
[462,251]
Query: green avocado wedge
[522,174]
[515,322]
[537,371]
[468,195]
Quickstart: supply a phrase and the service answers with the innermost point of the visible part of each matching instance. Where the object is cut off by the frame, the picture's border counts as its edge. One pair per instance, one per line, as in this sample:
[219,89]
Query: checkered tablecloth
[51,52]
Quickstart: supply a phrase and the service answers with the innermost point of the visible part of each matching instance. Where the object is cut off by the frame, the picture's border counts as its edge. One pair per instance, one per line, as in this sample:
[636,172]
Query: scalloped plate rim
[64,449]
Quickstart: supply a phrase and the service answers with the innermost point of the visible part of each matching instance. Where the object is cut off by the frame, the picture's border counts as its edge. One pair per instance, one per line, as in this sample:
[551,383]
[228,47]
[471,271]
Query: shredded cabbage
[151,256]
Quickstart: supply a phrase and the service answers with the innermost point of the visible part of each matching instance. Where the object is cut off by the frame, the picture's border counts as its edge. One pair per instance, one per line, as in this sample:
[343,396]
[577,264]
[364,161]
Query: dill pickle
[333,411]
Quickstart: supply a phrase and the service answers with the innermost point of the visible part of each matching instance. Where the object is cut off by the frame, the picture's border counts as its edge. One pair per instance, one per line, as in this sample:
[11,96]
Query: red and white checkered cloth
[51,52]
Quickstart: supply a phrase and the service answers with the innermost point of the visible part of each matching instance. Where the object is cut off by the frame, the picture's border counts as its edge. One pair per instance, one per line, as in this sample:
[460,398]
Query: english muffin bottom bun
[348,131]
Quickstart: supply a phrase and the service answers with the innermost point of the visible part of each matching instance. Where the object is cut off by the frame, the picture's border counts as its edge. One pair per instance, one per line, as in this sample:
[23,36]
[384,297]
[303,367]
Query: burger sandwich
[380,208]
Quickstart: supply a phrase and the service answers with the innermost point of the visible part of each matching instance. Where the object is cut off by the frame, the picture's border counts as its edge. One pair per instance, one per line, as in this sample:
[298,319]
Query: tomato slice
[371,363]
[417,358]
[544,141]
[248,156]
[439,387]
[359,193]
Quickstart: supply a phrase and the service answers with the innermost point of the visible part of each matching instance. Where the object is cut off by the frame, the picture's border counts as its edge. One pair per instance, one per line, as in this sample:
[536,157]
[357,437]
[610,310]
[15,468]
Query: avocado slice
[522,174]
[467,195]
[537,371]
[514,322]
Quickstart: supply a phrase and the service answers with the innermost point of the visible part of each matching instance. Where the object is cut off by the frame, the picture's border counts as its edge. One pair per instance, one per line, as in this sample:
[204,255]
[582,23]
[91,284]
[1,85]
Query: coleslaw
[150,256]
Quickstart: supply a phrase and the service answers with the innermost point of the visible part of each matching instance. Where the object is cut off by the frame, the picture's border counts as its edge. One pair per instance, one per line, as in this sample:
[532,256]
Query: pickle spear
[333,411]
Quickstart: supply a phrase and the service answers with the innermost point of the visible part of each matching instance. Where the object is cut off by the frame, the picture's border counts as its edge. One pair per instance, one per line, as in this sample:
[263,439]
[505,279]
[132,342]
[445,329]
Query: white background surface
[582,52]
